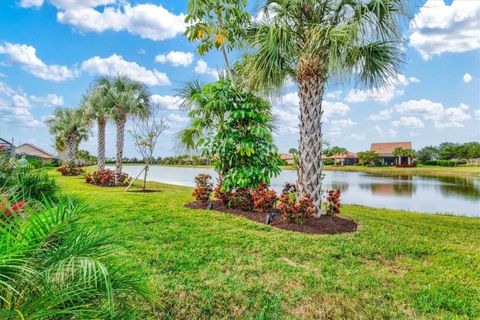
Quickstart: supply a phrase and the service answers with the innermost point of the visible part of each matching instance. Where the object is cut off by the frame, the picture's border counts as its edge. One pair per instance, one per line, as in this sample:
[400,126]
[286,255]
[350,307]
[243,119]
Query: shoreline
[462,171]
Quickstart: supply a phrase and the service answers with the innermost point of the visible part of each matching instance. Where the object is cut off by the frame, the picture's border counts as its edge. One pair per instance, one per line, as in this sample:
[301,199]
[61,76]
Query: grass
[211,265]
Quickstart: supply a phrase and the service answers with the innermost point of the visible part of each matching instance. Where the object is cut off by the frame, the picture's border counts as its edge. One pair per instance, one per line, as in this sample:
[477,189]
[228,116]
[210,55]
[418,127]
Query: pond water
[453,195]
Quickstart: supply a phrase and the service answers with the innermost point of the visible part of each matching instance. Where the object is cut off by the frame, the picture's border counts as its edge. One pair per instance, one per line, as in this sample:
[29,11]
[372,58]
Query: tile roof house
[385,151]
[288,158]
[34,151]
[349,158]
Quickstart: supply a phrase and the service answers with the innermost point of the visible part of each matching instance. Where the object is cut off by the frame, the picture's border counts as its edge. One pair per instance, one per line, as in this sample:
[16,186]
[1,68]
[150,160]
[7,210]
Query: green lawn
[205,264]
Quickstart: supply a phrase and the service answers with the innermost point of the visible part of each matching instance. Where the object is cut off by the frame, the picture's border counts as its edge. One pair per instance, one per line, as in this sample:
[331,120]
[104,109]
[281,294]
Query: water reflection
[457,195]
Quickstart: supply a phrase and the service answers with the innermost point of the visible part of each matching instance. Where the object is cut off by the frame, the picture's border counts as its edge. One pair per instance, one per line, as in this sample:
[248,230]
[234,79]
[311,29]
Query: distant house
[6,145]
[347,159]
[34,151]
[288,158]
[385,151]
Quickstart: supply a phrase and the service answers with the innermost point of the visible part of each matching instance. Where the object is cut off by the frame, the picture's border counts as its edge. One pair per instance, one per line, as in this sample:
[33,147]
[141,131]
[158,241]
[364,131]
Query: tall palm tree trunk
[311,88]
[101,144]
[120,142]
[70,149]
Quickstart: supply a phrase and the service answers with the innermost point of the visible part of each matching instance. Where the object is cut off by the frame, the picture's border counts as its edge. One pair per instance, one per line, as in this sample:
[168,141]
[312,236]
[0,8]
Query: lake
[449,194]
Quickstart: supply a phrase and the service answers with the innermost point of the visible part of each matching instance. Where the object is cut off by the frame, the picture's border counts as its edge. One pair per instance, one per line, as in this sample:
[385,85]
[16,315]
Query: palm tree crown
[69,128]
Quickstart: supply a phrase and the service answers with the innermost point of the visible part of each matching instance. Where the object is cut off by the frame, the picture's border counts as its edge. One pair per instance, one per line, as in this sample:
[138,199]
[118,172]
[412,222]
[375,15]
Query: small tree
[368,157]
[145,132]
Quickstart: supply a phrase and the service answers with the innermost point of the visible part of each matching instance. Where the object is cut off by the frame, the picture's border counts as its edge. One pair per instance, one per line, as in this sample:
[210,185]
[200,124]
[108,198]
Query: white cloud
[174,118]
[148,21]
[50,100]
[343,123]
[428,110]
[30,3]
[356,136]
[413,134]
[467,78]
[393,88]
[115,64]
[176,58]
[16,108]
[26,56]
[391,133]
[477,113]
[381,115]
[439,28]
[334,94]
[409,122]
[202,68]
[166,102]
[334,109]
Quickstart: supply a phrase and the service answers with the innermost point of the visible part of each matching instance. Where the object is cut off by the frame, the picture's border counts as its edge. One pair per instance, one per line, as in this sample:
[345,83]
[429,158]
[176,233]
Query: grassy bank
[205,264]
[420,170]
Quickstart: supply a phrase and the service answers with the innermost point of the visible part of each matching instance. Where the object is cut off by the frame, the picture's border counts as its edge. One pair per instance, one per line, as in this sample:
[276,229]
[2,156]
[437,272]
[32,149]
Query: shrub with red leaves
[7,210]
[333,202]
[105,178]
[295,209]
[242,199]
[204,187]
[221,196]
[264,199]
[70,170]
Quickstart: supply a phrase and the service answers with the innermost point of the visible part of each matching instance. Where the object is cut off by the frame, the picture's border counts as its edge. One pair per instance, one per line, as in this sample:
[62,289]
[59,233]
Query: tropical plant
[235,130]
[314,42]
[203,187]
[219,24]
[368,157]
[105,178]
[241,198]
[28,184]
[333,202]
[95,105]
[53,268]
[295,209]
[427,154]
[146,132]
[264,199]
[70,129]
[124,97]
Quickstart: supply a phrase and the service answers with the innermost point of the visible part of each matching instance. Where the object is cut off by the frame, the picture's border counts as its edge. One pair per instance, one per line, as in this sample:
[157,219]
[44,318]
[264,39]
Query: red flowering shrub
[203,187]
[333,202]
[242,199]
[70,170]
[7,210]
[263,198]
[221,196]
[295,209]
[105,178]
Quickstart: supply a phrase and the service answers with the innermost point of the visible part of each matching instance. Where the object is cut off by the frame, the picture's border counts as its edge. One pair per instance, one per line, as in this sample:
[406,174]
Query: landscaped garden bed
[323,225]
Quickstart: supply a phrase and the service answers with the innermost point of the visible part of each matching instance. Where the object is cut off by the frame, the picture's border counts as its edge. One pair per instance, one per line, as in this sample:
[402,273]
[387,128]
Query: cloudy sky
[51,50]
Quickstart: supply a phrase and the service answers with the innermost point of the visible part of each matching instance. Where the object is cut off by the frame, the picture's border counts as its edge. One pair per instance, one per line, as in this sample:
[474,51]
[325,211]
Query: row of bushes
[52,267]
[294,208]
[445,163]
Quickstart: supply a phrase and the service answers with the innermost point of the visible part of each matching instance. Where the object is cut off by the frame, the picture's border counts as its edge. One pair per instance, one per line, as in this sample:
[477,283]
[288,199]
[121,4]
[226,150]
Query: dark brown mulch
[323,225]
[144,191]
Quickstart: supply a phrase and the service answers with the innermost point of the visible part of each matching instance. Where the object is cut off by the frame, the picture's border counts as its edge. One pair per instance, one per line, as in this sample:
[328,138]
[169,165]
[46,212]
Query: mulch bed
[323,225]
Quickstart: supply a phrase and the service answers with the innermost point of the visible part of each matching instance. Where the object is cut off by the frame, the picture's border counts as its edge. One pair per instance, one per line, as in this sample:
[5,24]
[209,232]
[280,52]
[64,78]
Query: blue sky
[51,50]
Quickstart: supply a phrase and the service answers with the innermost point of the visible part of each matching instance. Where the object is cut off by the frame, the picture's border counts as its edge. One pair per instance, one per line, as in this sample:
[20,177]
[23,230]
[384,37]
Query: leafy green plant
[53,268]
[233,128]
[28,184]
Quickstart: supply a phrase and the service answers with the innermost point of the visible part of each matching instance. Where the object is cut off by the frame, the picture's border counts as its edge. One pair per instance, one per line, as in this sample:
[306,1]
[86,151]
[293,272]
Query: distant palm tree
[95,105]
[314,42]
[69,128]
[123,97]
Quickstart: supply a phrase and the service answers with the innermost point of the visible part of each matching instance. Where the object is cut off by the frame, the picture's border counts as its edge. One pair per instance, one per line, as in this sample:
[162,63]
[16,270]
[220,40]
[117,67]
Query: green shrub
[431,163]
[52,268]
[328,162]
[446,163]
[32,185]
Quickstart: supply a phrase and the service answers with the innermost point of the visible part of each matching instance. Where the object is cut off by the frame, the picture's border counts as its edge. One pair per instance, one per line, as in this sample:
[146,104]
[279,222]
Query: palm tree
[315,42]
[123,97]
[70,129]
[398,153]
[95,105]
